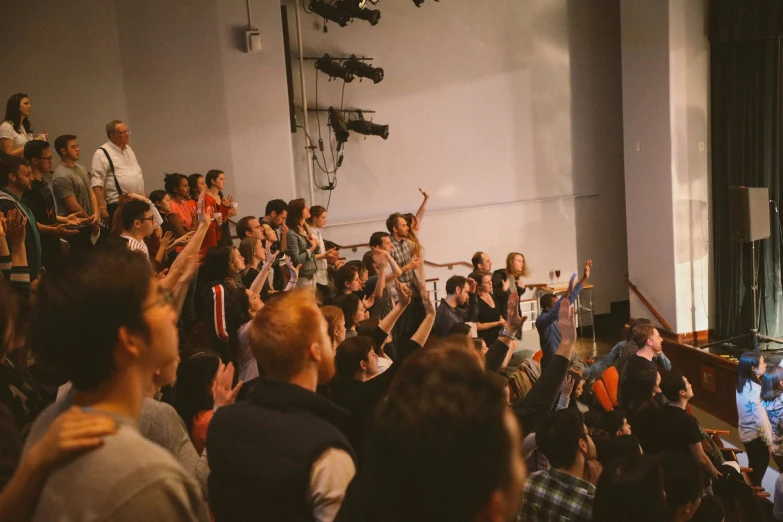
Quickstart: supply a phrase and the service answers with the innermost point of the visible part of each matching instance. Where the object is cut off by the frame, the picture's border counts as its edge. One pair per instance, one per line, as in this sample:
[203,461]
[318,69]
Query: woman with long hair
[317,222]
[638,399]
[16,131]
[754,428]
[353,310]
[198,190]
[301,246]
[772,400]
[490,317]
[516,269]
[215,181]
[193,394]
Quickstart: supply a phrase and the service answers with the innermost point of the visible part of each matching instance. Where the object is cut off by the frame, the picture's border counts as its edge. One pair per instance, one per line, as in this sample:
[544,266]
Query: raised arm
[423,207]
[423,332]
[258,282]
[403,300]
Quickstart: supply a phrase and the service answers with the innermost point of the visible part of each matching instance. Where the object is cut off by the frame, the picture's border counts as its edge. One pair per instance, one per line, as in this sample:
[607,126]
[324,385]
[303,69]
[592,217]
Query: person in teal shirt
[16,177]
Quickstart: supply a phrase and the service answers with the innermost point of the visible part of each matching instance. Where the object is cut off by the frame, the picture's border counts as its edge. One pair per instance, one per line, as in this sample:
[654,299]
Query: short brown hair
[641,333]
[282,332]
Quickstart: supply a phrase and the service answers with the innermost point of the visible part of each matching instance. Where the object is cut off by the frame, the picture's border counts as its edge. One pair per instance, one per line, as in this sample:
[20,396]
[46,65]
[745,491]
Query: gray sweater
[161,424]
[128,478]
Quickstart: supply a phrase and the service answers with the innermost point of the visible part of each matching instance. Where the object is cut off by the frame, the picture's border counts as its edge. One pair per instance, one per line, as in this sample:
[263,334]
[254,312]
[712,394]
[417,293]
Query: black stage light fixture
[333,69]
[330,12]
[338,126]
[368,128]
[356,9]
[419,2]
[363,70]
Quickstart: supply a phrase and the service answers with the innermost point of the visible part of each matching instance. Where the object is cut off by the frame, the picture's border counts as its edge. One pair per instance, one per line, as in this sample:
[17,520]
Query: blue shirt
[548,331]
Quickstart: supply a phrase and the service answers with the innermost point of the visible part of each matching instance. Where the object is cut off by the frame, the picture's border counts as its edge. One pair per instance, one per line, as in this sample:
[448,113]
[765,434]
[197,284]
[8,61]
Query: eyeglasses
[126,133]
[145,218]
[46,158]
[165,298]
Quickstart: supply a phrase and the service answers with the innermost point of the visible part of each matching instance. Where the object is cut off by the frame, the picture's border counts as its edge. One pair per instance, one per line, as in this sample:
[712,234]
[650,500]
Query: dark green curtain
[746,143]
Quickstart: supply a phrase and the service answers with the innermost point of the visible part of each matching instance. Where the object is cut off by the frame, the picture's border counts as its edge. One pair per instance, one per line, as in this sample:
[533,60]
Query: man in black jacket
[282,455]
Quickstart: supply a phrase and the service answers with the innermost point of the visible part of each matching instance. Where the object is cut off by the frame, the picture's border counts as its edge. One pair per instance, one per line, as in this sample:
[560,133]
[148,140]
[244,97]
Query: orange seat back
[599,389]
[537,356]
[612,381]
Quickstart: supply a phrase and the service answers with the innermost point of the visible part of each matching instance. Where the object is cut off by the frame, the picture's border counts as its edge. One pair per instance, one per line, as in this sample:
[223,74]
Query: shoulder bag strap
[114,175]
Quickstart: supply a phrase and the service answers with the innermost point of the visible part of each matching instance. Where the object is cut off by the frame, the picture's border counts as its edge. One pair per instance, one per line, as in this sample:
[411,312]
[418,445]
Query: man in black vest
[281,454]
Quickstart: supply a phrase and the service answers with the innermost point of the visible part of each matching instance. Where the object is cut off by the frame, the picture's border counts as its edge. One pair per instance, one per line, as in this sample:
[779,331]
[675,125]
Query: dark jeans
[758,459]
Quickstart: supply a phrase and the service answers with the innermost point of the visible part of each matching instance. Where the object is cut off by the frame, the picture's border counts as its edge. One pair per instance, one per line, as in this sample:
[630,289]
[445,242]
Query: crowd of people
[155,367]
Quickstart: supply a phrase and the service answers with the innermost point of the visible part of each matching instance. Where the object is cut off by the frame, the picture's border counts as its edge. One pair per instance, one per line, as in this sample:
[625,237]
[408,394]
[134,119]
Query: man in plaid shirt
[411,318]
[567,490]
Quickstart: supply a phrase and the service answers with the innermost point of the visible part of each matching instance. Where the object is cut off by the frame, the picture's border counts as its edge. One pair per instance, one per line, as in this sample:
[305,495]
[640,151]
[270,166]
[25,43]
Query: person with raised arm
[547,321]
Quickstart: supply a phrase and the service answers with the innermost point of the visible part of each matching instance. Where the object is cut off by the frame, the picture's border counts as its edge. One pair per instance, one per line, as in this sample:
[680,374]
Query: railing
[647,303]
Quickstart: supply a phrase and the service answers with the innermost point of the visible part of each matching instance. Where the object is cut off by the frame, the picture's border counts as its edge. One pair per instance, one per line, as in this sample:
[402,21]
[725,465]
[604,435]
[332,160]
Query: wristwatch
[505,332]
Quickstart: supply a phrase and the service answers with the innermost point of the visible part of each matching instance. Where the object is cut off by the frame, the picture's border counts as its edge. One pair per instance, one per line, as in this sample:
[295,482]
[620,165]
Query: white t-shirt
[321,275]
[7,131]
[126,168]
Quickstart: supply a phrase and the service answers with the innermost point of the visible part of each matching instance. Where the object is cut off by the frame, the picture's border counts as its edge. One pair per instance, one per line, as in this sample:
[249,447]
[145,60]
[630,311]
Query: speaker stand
[754,331]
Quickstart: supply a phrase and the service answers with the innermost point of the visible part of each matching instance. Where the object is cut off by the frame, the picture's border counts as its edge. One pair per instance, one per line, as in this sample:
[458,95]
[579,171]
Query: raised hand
[369,301]
[416,263]
[586,275]
[565,323]
[222,393]
[206,215]
[332,255]
[426,196]
[270,257]
[183,239]
[403,293]
[165,241]
[293,270]
[429,307]
[16,227]
[228,200]
[567,387]
[472,285]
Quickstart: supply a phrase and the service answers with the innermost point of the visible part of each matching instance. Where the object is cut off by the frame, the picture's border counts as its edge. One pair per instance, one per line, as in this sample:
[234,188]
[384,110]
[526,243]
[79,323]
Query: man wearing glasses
[115,170]
[137,223]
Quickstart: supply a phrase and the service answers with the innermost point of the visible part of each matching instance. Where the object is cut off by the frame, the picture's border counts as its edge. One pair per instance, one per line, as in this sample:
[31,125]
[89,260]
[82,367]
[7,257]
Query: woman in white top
[754,428]
[15,130]
[317,222]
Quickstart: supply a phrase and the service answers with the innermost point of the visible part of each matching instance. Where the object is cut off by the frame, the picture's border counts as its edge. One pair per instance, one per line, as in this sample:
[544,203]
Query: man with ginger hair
[281,454]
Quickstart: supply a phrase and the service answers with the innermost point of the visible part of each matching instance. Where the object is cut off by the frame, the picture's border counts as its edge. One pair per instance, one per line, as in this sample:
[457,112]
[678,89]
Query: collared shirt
[126,168]
[552,495]
[137,246]
[401,252]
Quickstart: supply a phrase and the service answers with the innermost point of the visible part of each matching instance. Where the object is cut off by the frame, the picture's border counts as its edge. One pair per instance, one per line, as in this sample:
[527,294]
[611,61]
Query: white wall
[665,110]
[483,100]
[491,104]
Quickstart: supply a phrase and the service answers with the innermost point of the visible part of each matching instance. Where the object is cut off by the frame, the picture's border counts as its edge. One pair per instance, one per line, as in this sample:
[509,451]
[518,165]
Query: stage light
[419,2]
[338,126]
[333,69]
[368,128]
[356,9]
[330,12]
[363,70]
